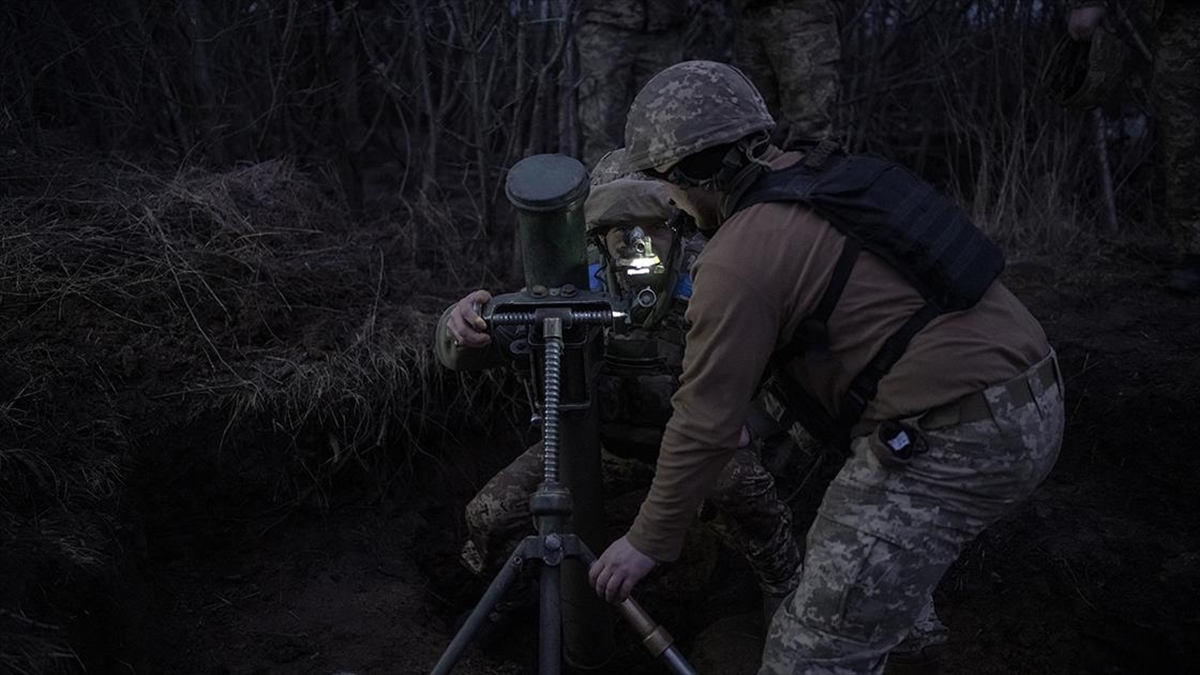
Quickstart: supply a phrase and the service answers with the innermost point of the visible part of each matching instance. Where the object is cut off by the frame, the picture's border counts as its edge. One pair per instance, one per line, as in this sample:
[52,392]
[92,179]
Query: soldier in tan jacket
[956,432]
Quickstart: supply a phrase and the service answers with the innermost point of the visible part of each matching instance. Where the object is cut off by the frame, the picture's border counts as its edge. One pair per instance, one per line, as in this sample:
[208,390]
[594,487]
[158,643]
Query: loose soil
[1098,573]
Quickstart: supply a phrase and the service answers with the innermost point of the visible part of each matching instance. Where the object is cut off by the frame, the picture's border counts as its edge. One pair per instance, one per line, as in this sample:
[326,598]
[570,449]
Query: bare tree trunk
[202,80]
[568,103]
[518,122]
[1106,181]
[170,99]
[421,70]
[537,116]
[344,50]
[480,115]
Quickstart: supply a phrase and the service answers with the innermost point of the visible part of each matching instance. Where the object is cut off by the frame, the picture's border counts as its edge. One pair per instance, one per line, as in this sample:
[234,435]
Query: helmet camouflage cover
[611,167]
[689,107]
[626,199]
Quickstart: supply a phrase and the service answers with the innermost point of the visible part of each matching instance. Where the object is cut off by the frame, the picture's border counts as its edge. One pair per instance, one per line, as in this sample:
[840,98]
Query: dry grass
[143,310]
[172,321]
[31,647]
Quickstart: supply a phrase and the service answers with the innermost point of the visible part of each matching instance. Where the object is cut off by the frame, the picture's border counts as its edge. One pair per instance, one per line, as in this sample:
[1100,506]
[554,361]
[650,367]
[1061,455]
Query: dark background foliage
[227,228]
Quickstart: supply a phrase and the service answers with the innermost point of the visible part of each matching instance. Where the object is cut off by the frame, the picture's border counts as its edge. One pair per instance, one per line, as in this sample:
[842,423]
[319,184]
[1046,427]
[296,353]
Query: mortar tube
[548,192]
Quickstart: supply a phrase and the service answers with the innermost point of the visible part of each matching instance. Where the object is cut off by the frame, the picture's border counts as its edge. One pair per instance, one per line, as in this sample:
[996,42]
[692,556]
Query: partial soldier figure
[1174,43]
[643,251]
[622,43]
[874,304]
[790,50]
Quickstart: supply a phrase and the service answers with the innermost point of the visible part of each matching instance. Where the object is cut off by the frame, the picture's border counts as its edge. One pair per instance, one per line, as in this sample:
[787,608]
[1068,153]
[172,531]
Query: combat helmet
[616,199]
[690,107]
[611,167]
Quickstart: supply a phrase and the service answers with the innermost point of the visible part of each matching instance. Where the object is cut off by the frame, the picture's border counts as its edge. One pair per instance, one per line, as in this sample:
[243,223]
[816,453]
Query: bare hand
[1083,22]
[618,569]
[465,328]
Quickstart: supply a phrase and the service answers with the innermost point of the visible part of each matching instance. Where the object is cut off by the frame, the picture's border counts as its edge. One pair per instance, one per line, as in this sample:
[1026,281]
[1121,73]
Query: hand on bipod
[466,326]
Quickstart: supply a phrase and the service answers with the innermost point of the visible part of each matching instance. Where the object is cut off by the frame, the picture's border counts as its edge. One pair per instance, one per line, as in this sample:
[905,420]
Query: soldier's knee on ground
[476,515]
[472,559]
[742,479]
[729,485]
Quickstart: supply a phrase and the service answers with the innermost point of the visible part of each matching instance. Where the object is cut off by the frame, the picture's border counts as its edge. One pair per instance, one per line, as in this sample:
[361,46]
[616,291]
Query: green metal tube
[548,192]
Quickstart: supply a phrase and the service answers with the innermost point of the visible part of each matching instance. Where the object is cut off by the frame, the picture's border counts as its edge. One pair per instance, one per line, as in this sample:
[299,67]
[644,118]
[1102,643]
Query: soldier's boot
[920,652]
[1186,277]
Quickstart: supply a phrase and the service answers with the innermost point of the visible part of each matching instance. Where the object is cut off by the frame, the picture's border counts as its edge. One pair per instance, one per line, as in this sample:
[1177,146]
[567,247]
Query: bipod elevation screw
[551,507]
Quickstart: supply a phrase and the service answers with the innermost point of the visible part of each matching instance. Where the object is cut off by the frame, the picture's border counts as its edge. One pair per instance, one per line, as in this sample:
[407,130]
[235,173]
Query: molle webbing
[886,209]
[897,216]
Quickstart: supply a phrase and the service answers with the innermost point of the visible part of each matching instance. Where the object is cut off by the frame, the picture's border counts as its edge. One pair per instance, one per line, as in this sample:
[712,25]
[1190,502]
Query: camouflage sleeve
[460,358]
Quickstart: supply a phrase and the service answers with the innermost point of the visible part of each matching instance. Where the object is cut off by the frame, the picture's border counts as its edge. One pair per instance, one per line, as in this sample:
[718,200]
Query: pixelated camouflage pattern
[634,403]
[1175,91]
[614,64]
[752,519]
[791,52]
[498,517]
[642,16]
[689,107]
[884,537]
[610,167]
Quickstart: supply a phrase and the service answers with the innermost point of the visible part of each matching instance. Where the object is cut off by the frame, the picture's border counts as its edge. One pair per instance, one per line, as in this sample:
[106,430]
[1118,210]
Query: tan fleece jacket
[761,274]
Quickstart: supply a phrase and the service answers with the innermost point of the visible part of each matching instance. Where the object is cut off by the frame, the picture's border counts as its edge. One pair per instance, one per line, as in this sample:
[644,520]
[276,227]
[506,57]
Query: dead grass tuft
[141,309]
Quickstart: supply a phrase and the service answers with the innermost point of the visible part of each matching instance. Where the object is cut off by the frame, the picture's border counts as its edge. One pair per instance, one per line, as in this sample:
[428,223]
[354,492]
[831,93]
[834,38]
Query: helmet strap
[744,154]
[737,187]
[748,168]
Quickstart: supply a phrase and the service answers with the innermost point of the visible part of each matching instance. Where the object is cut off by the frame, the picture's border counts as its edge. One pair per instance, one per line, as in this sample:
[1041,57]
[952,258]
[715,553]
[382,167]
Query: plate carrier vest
[888,210]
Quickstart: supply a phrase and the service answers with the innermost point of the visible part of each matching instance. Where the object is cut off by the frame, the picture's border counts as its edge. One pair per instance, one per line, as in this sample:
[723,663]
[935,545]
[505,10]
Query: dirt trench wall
[183,351]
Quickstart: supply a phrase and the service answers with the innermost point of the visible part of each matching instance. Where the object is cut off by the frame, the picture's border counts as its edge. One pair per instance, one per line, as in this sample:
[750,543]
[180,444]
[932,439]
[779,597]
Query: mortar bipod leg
[654,636]
[504,579]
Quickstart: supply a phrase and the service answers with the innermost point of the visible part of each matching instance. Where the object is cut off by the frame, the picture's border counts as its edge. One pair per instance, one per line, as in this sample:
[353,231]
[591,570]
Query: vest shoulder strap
[886,209]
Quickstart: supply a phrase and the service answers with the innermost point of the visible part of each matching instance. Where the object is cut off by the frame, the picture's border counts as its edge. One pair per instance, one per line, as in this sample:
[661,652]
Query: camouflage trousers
[750,516]
[614,63]
[884,537]
[790,51]
[1176,97]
